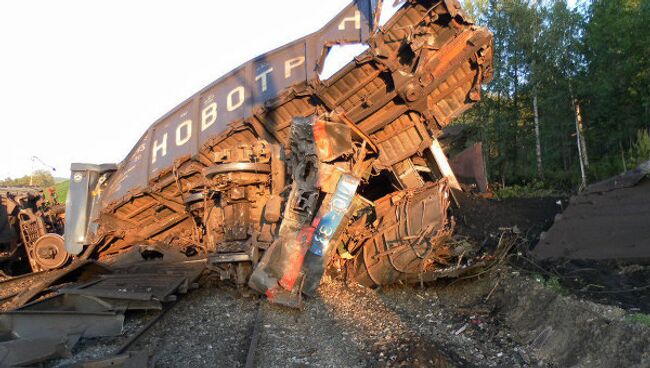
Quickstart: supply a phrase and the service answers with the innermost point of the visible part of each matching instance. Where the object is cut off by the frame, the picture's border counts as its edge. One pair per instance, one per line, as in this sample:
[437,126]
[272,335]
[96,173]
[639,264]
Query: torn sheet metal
[335,211]
[32,323]
[308,227]
[25,352]
[408,239]
[625,180]
[144,285]
[91,305]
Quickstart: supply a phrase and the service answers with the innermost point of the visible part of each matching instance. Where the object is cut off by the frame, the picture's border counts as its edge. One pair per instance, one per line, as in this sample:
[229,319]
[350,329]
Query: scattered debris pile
[86,300]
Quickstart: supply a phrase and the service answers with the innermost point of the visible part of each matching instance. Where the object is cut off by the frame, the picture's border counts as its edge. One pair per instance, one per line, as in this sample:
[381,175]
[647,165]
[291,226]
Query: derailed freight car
[30,231]
[270,171]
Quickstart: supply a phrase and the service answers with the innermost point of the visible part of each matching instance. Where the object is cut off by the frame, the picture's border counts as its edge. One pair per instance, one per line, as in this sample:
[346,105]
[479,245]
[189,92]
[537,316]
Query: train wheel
[49,252]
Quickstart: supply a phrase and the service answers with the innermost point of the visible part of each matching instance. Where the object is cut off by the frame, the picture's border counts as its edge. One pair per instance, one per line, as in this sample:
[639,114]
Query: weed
[552,283]
[535,189]
[641,318]
[61,191]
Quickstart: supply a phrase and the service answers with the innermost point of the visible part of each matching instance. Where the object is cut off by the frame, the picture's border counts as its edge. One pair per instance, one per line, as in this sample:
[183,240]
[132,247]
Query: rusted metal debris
[272,173]
[31,229]
[53,315]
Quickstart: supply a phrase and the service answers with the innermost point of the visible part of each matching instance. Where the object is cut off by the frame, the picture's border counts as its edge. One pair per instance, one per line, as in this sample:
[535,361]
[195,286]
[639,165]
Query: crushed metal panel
[407,242]
[138,287]
[27,323]
[30,351]
[63,302]
[141,286]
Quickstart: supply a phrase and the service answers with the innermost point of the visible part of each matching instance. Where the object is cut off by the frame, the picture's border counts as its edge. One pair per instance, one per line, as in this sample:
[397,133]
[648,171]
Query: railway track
[254,337]
[12,286]
[11,279]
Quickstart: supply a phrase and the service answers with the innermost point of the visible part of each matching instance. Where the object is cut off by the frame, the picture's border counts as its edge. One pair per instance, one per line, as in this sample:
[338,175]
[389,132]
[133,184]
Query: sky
[81,81]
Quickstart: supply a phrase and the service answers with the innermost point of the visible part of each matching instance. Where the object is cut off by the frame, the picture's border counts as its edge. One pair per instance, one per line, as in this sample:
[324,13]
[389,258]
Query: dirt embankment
[559,330]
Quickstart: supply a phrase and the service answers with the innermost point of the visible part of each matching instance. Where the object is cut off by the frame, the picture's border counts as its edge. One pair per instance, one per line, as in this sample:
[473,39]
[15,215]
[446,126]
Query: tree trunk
[580,128]
[538,143]
[579,142]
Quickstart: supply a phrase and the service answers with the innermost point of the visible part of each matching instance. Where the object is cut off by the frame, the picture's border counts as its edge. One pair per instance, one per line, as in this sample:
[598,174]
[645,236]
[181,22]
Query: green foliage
[535,189]
[552,283]
[39,178]
[617,83]
[596,54]
[641,318]
[61,190]
[640,150]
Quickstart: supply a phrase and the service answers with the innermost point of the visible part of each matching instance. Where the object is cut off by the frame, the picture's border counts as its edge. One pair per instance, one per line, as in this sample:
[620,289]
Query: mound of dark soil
[481,219]
[625,285]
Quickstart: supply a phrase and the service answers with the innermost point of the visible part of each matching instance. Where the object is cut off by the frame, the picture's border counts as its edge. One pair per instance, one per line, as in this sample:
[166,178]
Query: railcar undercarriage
[30,231]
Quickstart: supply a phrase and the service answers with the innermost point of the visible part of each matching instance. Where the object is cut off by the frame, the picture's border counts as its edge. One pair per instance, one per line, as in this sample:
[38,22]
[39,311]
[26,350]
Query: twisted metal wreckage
[272,173]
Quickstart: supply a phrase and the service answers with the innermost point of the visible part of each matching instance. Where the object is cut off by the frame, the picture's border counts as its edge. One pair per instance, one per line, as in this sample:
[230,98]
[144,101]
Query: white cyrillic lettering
[208,116]
[356,18]
[240,100]
[292,64]
[180,139]
[262,77]
[159,147]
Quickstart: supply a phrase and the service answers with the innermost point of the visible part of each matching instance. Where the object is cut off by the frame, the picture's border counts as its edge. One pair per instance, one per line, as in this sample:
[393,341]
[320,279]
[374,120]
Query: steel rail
[255,337]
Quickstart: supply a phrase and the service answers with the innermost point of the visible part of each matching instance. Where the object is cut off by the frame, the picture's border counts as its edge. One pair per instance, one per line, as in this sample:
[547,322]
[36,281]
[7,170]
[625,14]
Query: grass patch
[552,283]
[61,191]
[641,318]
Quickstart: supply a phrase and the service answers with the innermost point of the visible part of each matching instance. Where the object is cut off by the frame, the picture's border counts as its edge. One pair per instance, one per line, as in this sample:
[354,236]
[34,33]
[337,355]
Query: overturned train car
[271,173]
